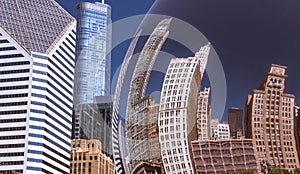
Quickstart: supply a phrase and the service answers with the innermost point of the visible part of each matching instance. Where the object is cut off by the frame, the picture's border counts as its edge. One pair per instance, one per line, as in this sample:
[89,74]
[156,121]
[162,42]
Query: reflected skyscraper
[37,60]
[93,60]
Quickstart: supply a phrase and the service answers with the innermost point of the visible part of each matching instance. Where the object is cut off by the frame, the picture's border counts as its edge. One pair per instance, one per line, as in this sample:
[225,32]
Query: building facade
[177,113]
[93,121]
[223,131]
[37,59]
[214,128]
[235,121]
[217,156]
[93,60]
[269,120]
[203,115]
[87,157]
[138,104]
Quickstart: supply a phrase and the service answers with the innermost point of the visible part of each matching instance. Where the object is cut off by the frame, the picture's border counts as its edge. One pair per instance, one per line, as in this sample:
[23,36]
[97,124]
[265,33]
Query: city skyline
[234,61]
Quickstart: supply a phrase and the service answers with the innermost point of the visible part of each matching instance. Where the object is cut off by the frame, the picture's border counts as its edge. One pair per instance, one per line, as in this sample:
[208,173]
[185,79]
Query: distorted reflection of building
[217,156]
[87,157]
[146,168]
[203,115]
[137,114]
[269,121]
[178,111]
[93,121]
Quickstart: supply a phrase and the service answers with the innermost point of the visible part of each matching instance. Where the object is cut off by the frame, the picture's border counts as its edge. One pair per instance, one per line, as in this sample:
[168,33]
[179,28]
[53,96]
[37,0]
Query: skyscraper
[93,121]
[177,113]
[223,131]
[137,106]
[37,59]
[203,115]
[93,60]
[235,121]
[269,120]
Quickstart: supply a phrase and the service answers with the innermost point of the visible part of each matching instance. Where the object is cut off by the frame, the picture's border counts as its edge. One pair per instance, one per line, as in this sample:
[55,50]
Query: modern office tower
[269,120]
[217,156]
[214,128]
[203,115]
[37,45]
[178,114]
[93,60]
[118,125]
[223,131]
[138,103]
[93,121]
[87,157]
[235,121]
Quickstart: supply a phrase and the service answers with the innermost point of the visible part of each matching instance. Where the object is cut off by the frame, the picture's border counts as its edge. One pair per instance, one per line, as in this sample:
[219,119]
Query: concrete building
[177,113]
[138,103]
[217,156]
[269,121]
[235,121]
[146,168]
[223,131]
[297,128]
[93,59]
[203,115]
[37,59]
[87,157]
[93,121]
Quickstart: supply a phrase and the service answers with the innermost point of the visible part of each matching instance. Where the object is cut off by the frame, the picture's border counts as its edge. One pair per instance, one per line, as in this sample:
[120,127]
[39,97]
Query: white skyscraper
[37,47]
[203,115]
[177,113]
[223,131]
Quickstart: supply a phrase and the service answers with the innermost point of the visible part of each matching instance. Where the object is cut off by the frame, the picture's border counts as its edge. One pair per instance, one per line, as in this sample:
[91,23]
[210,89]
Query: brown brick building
[235,121]
[86,157]
[217,156]
[269,121]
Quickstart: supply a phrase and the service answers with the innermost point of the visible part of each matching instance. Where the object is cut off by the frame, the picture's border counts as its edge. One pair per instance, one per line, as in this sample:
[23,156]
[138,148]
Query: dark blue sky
[248,36]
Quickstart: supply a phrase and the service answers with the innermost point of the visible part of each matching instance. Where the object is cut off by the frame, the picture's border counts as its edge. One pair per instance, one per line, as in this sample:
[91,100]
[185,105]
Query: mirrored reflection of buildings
[87,157]
[269,120]
[223,131]
[92,72]
[217,156]
[214,128]
[203,115]
[137,114]
[37,45]
[177,113]
[235,121]
[297,128]
[93,121]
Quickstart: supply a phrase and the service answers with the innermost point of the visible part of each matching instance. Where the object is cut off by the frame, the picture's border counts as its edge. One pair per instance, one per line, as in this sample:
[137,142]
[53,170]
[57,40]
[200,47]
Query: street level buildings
[137,132]
[269,121]
[93,60]
[203,115]
[87,157]
[177,113]
[217,156]
[37,60]
[235,121]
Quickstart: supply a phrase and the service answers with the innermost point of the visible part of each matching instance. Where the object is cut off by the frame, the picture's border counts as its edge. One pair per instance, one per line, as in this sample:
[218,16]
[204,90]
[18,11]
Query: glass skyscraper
[37,60]
[93,60]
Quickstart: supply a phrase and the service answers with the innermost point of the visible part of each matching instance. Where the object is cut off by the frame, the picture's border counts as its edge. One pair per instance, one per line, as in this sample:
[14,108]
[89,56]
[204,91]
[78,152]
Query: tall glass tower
[93,60]
[37,60]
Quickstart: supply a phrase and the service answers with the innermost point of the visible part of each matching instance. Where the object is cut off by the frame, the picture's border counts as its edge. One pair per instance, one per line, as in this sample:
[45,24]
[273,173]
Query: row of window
[48,156]
[4,41]
[13,137]
[7,48]
[16,120]
[15,71]
[5,129]
[8,146]
[11,163]
[13,112]
[11,154]
[13,104]
[5,88]
[14,79]
[14,63]
[11,56]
